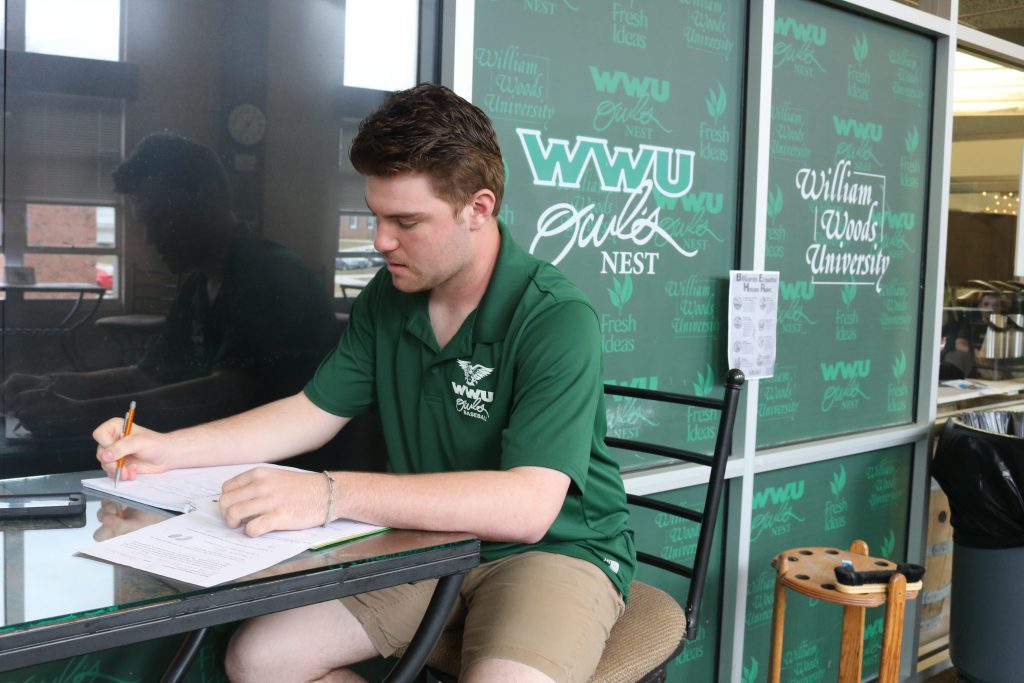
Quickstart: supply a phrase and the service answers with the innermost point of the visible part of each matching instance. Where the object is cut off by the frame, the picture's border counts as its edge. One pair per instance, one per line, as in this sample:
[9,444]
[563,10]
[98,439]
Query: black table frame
[72,320]
[198,611]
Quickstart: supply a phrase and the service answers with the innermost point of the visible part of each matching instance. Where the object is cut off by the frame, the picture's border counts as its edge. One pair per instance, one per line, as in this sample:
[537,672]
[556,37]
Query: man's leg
[311,643]
[503,671]
[536,616]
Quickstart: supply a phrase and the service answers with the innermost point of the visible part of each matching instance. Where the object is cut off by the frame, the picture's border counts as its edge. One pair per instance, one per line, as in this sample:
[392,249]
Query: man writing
[485,365]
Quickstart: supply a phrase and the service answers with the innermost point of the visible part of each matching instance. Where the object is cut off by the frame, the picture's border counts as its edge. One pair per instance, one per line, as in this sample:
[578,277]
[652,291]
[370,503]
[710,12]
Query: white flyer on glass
[752,320]
[196,548]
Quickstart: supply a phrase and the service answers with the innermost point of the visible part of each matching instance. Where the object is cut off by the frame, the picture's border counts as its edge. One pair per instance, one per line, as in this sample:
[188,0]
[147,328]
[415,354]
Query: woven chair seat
[141,323]
[646,635]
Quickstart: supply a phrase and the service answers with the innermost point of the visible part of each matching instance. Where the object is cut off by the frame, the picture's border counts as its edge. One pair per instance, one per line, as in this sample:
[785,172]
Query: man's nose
[383,240]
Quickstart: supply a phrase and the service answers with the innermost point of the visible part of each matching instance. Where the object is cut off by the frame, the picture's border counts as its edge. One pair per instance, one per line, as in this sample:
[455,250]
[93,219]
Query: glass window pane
[381,44]
[62,148]
[61,225]
[85,268]
[183,67]
[74,28]
[357,260]
[108,275]
[981,285]
[982,87]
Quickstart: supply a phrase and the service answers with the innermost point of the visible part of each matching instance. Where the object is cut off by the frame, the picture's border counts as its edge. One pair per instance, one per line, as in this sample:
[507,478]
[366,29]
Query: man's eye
[406,224]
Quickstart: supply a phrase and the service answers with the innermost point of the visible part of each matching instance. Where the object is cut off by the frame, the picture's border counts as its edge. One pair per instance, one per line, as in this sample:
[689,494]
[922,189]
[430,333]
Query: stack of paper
[198,547]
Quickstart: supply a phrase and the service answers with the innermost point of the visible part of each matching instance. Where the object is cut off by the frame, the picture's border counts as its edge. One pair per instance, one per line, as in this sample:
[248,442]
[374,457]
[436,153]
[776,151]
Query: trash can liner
[979,463]
[999,421]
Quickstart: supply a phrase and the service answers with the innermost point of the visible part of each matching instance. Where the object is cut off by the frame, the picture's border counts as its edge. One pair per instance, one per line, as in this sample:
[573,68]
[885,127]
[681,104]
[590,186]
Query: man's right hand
[144,451]
[117,519]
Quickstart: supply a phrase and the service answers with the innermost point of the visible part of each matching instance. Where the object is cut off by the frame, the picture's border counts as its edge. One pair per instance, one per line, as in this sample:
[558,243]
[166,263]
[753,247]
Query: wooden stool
[811,571]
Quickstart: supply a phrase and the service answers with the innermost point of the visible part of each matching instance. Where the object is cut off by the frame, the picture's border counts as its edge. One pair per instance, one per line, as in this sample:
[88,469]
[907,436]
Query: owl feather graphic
[474,373]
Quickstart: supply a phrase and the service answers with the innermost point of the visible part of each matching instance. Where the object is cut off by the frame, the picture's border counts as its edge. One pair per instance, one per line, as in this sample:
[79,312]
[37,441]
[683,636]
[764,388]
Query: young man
[485,364]
[249,323]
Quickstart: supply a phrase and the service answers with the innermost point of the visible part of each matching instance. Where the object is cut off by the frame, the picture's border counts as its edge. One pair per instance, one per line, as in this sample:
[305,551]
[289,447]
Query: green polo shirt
[518,385]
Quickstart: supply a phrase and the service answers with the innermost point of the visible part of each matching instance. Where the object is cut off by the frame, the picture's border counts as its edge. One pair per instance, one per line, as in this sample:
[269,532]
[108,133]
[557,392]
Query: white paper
[174,490]
[752,320]
[338,531]
[197,549]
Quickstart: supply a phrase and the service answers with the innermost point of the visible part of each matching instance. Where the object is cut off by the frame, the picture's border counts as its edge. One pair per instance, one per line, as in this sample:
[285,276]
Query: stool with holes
[811,571]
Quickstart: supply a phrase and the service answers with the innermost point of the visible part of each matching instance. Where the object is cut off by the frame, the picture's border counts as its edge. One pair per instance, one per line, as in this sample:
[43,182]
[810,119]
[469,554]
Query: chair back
[727,405]
[151,291]
[651,630]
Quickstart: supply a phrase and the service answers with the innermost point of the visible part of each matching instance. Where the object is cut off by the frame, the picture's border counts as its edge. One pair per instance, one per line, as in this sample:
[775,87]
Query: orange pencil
[129,418]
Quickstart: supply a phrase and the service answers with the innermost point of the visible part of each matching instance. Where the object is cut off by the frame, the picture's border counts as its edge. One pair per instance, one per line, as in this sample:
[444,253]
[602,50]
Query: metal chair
[654,628]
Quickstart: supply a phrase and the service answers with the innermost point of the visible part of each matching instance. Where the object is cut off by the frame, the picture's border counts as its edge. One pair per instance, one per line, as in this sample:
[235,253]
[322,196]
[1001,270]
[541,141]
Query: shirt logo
[474,373]
[469,400]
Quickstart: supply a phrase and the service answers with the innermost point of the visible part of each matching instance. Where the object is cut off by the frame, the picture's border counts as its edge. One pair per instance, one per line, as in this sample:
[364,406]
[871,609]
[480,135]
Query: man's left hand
[265,499]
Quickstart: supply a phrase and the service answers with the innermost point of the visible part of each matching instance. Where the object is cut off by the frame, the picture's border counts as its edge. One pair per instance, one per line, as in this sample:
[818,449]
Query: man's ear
[480,208]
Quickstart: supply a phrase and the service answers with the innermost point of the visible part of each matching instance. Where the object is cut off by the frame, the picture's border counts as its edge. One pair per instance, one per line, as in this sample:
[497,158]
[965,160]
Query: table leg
[441,602]
[70,326]
[182,660]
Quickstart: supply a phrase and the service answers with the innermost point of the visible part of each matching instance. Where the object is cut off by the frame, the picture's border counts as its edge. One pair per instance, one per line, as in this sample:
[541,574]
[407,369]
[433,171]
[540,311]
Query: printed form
[195,548]
[198,547]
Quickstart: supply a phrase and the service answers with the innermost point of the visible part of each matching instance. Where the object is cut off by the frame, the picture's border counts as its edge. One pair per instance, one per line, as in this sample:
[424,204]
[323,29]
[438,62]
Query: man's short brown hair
[429,129]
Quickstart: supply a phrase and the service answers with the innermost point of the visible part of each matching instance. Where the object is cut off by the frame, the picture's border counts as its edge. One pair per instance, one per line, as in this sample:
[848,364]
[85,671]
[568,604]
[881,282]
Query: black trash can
[979,464]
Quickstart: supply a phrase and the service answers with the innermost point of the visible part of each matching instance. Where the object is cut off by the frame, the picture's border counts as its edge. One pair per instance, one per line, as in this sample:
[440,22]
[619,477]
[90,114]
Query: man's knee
[240,660]
[300,644]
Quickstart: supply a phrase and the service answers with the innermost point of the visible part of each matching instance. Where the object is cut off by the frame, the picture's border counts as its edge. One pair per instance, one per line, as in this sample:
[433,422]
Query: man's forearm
[102,383]
[267,433]
[515,505]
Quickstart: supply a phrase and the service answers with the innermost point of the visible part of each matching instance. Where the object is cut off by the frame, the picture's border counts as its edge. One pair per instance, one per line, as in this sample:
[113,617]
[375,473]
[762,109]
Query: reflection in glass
[69,225]
[51,268]
[381,44]
[74,28]
[357,260]
[248,324]
[54,562]
[114,73]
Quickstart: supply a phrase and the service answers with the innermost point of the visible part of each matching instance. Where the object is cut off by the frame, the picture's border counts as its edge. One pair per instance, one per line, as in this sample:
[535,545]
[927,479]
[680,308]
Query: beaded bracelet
[330,498]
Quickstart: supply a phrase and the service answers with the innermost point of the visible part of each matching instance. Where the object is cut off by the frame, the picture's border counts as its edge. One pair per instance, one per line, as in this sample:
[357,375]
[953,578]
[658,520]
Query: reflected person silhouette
[249,324]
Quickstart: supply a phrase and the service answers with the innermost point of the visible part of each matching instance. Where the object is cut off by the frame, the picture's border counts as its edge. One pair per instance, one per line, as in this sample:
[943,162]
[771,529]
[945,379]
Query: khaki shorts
[547,611]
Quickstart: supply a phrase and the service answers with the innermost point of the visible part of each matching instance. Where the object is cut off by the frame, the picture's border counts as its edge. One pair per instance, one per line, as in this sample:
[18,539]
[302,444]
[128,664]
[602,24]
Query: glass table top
[44,579]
